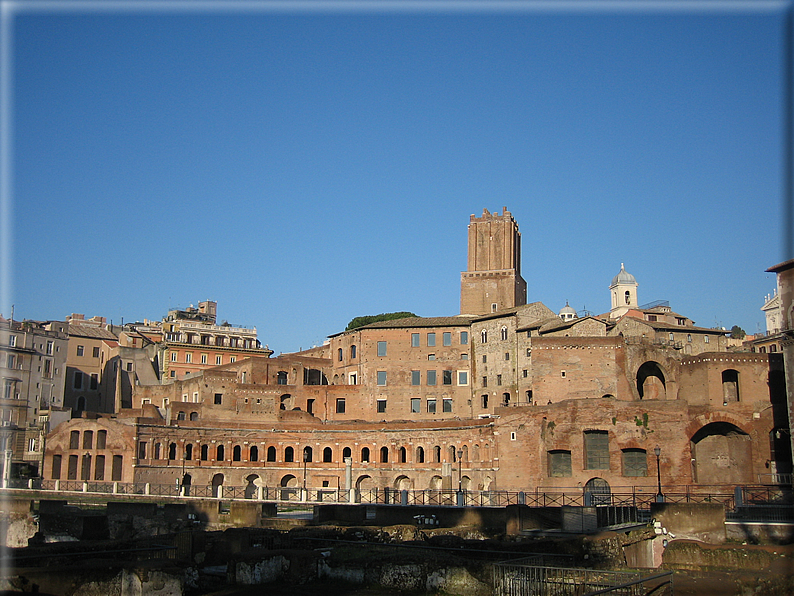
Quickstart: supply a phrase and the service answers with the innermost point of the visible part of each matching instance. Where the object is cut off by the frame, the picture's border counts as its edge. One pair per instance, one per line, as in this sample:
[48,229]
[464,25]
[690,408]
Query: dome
[567,312]
[623,277]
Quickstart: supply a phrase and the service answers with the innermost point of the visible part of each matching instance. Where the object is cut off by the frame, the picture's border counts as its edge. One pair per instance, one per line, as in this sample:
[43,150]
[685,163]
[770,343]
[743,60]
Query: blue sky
[302,166]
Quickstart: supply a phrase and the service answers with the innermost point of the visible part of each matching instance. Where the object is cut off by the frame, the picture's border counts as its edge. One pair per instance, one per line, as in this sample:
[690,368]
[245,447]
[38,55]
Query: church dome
[567,312]
[623,277]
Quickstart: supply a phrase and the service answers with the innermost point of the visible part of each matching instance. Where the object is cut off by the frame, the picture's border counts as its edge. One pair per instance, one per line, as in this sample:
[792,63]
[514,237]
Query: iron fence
[521,579]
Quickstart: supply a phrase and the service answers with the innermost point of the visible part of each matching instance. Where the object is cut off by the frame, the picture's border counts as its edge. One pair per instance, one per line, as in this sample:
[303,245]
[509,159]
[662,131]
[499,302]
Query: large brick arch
[652,380]
[721,453]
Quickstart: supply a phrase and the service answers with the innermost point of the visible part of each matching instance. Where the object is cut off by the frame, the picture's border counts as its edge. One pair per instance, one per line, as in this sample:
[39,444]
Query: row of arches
[289,454]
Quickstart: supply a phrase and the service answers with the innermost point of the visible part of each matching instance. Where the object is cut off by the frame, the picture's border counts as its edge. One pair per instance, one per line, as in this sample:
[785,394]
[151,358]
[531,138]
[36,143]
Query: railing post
[146,488]
[57,485]
[85,487]
[403,497]
[737,496]
[522,500]
[115,488]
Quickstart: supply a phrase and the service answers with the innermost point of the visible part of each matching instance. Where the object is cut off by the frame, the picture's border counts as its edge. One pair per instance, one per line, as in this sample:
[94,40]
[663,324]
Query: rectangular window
[431,406]
[49,348]
[188,357]
[431,356]
[446,338]
[559,464]
[353,378]
[12,341]
[232,358]
[56,467]
[431,377]
[204,359]
[78,380]
[80,350]
[99,468]
[416,377]
[507,355]
[596,446]
[94,381]
[484,358]
[195,397]
[484,401]
[416,405]
[340,405]
[381,403]
[10,361]
[446,405]
[74,439]
[635,462]
[524,373]
[705,339]
[101,439]
[174,356]
[463,378]
[431,340]
[485,381]
[218,399]
[47,369]
[218,360]
[381,378]
[464,338]
[381,348]
[446,377]
[498,379]
[31,445]
[464,356]
[95,352]
[129,366]
[414,340]
[115,471]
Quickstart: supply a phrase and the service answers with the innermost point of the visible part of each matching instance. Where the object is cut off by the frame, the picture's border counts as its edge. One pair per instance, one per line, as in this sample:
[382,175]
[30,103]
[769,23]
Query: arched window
[365,454]
[253,454]
[352,351]
[180,416]
[271,453]
[627,296]
[194,415]
[220,453]
[289,454]
[452,456]
[437,454]
[157,448]
[205,453]
[420,455]
[188,452]
[237,453]
[403,456]
[346,452]
[307,453]
[484,336]
[282,377]
[730,386]
[384,455]
[328,455]
[340,354]
[504,332]
[172,451]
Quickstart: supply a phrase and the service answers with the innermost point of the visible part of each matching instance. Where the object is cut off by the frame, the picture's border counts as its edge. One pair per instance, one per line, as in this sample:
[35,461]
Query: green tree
[367,319]
[737,332]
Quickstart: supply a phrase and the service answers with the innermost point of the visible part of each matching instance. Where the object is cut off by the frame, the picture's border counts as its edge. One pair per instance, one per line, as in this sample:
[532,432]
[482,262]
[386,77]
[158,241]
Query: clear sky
[304,166]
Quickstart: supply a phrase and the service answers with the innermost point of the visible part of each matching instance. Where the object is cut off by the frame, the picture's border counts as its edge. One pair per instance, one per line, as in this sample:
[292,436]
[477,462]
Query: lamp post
[659,495]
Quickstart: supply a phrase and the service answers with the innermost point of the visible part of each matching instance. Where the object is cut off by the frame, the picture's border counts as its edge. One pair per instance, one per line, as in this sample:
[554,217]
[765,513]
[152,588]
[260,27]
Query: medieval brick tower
[493,280]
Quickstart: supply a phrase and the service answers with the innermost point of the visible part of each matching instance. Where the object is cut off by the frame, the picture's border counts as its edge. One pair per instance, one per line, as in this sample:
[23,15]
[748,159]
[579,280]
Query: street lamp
[659,495]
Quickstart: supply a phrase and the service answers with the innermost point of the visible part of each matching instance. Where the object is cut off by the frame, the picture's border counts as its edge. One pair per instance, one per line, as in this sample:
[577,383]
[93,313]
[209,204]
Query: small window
[689,337]
[431,356]
[431,406]
[204,359]
[381,404]
[416,377]
[446,405]
[188,357]
[218,360]
[233,359]
[416,405]
[174,356]
[559,464]
[464,338]
[446,338]
[463,378]
[431,377]
[431,340]
[485,381]
[705,339]
[635,462]
[498,379]
[95,351]
[381,348]
[180,416]
[507,355]
[464,356]
[339,354]
[484,358]
[352,352]
[218,399]
[129,367]
[513,436]
[381,378]
[414,340]
[562,374]
[340,405]
[365,454]
[353,379]
[484,336]
[493,307]
[504,333]
[80,350]
[596,445]
[524,373]
[484,400]
[529,352]
[446,377]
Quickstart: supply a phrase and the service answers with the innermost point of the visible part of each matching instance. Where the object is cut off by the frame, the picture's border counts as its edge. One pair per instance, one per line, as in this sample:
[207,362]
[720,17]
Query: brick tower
[493,279]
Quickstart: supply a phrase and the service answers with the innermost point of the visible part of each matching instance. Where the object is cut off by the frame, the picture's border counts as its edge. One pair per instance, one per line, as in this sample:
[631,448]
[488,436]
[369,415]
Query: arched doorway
[187,480]
[289,490]
[403,483]
[599,491]
[251,486]
[365,487]
[435,483]
[721,454]
[465,483]
[217,481]
[650,381]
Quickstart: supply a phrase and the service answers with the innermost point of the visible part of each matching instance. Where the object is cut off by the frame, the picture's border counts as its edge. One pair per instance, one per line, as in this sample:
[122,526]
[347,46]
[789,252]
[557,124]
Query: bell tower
[623,292]
[492,281]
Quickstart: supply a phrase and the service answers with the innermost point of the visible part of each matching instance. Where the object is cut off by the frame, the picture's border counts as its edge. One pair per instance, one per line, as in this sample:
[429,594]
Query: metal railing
[524,579]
